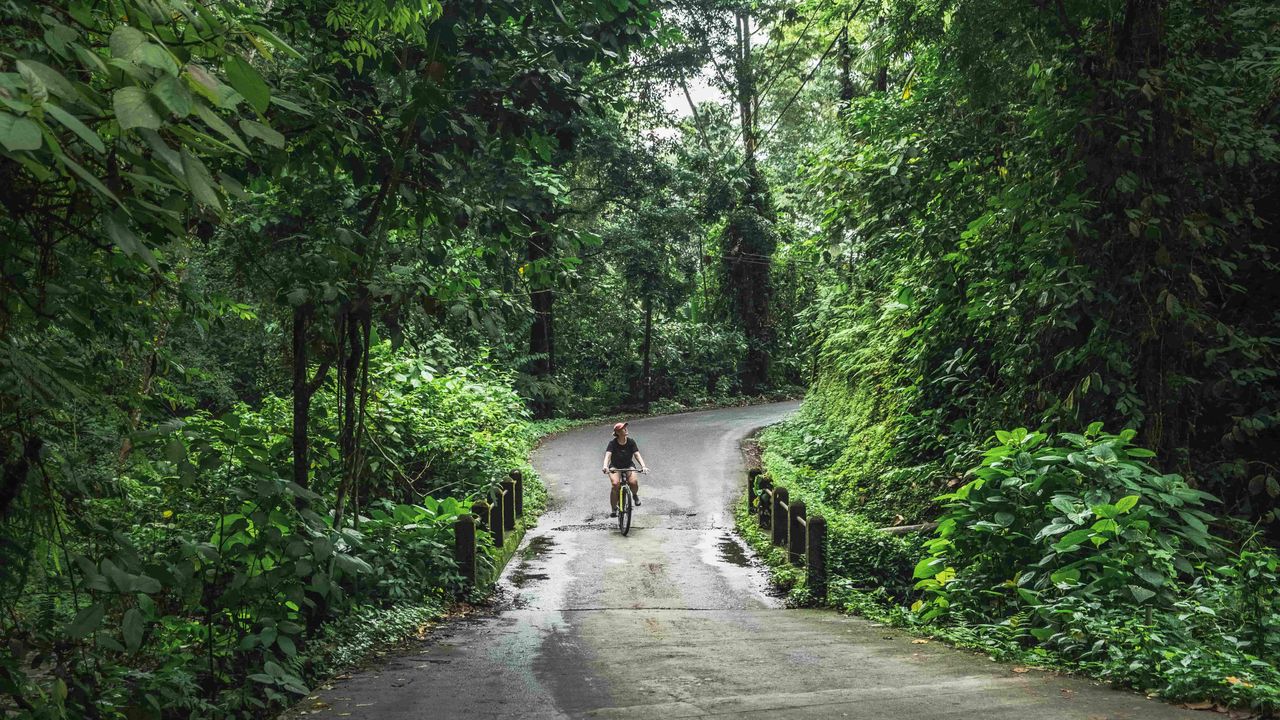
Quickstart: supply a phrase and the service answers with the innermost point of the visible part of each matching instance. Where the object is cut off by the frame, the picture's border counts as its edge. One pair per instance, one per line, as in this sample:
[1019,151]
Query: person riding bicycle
[617,458]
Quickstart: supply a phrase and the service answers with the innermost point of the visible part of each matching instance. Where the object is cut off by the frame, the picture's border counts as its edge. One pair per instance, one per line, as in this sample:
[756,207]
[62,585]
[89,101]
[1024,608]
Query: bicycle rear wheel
[624,512]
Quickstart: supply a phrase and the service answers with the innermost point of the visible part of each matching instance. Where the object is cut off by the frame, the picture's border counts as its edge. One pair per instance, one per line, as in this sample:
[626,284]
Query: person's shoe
[613,513]
[637,500]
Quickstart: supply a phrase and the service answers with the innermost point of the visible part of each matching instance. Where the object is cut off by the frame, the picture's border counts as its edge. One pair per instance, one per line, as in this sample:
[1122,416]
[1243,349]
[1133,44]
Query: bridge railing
[497,515]
[790,526]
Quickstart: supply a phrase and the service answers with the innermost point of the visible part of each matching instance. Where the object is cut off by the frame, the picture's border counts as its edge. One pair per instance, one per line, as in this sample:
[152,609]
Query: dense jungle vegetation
[288,283]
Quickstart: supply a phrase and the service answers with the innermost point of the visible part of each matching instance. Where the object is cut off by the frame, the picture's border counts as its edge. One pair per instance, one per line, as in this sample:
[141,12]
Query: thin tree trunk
[301,396]
[542,366]
[746,89]
[846,74]
[648,348]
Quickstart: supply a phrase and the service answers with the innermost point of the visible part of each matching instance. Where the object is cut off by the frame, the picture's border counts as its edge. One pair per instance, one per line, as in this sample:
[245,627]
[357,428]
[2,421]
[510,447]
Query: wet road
[673,622]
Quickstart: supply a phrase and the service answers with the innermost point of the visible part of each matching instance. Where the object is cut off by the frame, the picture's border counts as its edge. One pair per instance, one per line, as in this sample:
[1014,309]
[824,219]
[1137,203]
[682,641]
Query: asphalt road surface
[674,621]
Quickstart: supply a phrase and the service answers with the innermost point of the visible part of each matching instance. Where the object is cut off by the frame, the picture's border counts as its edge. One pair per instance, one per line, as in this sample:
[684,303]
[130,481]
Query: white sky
[699,89]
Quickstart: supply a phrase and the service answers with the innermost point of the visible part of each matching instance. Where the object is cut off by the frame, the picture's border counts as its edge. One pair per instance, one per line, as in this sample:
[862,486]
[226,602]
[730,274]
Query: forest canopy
[287,285]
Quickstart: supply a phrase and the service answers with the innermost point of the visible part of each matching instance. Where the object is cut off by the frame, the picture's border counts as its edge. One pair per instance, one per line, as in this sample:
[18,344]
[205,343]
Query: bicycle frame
[625,495]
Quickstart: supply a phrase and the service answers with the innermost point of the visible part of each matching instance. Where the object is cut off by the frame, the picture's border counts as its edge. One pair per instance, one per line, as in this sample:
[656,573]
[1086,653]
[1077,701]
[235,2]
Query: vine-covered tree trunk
[1146,255]
[301,396]
[748,237]
[648,349]
[542,365]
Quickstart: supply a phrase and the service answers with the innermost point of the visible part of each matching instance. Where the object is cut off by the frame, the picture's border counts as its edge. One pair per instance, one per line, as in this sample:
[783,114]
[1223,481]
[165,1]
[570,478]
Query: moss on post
[508,504]
[764,501]
[816,558]
[796,532]
[464,547]
[778,523]
[518,478]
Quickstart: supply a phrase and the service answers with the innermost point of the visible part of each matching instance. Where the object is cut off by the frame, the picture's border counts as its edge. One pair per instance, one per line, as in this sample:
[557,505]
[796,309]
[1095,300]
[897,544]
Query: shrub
[1086,519]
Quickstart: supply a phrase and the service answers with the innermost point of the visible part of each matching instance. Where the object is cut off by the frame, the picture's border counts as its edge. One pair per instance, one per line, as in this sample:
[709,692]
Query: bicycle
[625,498]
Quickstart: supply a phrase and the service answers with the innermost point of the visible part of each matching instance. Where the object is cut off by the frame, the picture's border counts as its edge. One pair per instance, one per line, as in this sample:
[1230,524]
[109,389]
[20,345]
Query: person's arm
[605,468]
[643,466]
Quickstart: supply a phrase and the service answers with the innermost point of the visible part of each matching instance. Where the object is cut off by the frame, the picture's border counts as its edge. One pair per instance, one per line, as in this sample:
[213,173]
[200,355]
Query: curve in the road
[670,623]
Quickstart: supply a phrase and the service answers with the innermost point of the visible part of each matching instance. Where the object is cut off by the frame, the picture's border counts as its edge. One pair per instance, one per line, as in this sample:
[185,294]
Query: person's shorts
[623,470]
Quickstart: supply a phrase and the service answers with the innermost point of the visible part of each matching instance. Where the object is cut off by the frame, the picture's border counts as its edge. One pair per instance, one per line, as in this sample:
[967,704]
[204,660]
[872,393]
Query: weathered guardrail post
[496,527]
[464,547]
[518,477]
[480,509]
[753,503]
[508,504]
[778,522]
[796,532]
[816,557]
[765,501]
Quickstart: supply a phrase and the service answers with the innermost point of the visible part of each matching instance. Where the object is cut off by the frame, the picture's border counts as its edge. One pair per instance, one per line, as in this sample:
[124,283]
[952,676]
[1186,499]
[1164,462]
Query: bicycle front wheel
[624,512]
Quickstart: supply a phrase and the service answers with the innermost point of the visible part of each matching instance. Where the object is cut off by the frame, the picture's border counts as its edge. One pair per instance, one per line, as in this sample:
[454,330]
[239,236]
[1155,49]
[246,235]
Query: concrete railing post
[796,532]
[518,477]
[496,526]
[508,504]
[753,503]
[778,522]
[816,558]
[464,547]
[480,509]
[765,501]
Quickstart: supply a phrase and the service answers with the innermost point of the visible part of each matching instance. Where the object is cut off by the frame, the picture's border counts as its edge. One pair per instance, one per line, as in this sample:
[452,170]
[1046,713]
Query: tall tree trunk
[648,349]
[748,237]
[542,366]
[746,90]
[303,390]
[1124,252]
[846,71]
[301,396]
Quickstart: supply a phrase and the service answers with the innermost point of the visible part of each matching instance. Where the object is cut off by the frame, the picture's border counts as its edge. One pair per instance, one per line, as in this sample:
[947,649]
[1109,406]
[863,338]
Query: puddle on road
[538,546]
[519,578]
[522,574]
[731,552]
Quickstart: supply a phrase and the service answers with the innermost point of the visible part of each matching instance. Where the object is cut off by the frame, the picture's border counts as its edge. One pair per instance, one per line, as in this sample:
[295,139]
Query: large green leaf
[204,83]
[220,126]
[1140,594]
[133,110]
[132,627]
[248,82]
[124,238]
[19,133]
[50,78]
[86,621]
[72,123]
[267,135]
[89,178]
[154,56]
[1071,540]
[174,95]
[125,40]
[199,180]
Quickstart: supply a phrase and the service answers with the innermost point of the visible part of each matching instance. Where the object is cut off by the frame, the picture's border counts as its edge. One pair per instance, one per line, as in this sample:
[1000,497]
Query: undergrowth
[1068,552]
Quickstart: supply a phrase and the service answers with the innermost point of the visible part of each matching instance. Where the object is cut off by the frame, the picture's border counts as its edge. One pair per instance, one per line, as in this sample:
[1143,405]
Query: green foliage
[1084,521]
[1066,550]
[1078,547]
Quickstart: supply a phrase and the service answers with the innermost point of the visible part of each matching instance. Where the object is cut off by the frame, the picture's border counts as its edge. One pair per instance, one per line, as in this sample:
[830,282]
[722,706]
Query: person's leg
[615,485]
[633,479]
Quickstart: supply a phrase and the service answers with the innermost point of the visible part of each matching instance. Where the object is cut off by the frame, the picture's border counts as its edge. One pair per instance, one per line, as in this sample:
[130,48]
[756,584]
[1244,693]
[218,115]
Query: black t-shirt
[621,457]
